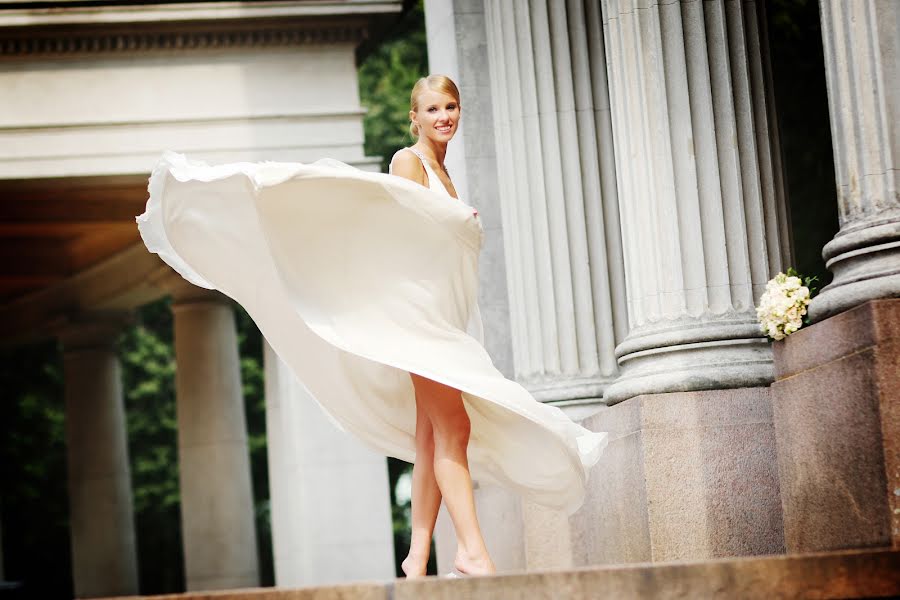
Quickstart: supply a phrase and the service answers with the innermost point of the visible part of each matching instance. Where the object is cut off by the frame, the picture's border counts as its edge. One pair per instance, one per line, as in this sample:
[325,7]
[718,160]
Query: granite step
[845,574]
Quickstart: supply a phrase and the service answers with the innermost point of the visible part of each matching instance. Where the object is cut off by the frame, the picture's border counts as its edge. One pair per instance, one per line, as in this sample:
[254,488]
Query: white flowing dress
[357,279]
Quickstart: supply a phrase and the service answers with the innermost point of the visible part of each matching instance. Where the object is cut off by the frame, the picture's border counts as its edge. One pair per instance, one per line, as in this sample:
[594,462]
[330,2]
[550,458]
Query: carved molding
[80,42]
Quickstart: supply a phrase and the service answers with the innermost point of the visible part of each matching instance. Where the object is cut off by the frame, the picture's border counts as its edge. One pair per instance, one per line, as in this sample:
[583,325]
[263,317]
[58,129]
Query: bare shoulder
[406,164]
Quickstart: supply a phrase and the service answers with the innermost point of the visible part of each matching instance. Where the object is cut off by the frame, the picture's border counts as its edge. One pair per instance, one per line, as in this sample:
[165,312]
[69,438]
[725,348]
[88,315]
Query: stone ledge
[847,574]
[864,326]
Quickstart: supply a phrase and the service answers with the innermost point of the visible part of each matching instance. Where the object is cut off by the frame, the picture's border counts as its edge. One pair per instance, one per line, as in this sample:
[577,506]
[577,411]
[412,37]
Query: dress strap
[422,158]
[429,172]
[433,180]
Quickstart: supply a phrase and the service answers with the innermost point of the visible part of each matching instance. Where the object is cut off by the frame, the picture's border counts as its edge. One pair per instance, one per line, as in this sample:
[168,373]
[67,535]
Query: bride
[442,425]
[365,285]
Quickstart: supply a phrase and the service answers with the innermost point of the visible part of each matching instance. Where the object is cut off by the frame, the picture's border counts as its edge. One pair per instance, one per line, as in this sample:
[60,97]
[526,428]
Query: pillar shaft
[558,198]
[330,495]
[704,222]
[104,559]
[862,68]
[217,511]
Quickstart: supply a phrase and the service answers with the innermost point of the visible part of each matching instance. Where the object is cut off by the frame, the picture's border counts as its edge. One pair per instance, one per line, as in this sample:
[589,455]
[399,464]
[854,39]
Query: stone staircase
[845,574]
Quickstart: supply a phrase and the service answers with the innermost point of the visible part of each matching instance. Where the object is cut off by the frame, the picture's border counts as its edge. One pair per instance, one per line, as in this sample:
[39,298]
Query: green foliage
[250,348]
[148,379]
[34,498]
[808,281]
[386,77]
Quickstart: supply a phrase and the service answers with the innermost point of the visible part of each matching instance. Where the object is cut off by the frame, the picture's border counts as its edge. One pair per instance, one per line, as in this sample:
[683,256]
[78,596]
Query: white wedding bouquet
[783,305]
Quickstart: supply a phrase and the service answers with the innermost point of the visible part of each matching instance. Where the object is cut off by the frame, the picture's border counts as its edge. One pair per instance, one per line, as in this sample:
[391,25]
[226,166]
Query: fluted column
[104,556]
[861,40]
[704,222]
[558,196]
[217,511]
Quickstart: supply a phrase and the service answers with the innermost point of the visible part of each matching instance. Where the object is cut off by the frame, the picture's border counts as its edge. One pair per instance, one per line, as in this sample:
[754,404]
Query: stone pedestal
[217,511]
[704,221]
[548,536]
[686,475]
[104,561]
[862,68]
[331,509]
[837,421]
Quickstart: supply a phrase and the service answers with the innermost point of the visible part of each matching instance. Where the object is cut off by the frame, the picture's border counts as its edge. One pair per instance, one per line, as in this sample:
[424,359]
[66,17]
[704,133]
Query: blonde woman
[442,425]
[365,285]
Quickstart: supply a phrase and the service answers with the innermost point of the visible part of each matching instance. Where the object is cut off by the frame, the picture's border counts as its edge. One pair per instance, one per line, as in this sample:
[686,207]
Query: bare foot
[474,565]
[414,566]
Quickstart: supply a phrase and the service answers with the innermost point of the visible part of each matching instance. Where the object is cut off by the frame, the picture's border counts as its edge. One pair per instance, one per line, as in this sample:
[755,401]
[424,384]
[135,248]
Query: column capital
[184,292]
[90,330]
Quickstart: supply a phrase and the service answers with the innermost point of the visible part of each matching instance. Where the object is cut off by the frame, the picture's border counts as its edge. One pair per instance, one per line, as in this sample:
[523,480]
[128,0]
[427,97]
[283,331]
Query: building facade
[626,162]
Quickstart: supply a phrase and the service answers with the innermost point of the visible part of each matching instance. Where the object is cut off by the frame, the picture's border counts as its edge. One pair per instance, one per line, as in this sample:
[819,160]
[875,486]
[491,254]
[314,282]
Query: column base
[569,390]
[866,265]
[692,356]
[837,422]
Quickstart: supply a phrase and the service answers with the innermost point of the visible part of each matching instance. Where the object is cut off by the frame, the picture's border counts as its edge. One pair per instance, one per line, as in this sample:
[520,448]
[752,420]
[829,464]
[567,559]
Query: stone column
[331,508]
[560,221]
[104,561]
[558,196]
[704,220]
[862,68]
[217,511]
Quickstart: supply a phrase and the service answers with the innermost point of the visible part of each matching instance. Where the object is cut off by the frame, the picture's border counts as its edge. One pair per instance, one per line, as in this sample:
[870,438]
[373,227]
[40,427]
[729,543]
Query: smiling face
[436,115]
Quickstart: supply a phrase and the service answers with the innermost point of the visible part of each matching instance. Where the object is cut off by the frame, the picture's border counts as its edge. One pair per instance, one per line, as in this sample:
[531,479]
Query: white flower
[782,306]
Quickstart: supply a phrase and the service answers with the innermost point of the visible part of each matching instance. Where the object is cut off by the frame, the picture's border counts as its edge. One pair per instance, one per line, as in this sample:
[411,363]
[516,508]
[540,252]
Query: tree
[386,76]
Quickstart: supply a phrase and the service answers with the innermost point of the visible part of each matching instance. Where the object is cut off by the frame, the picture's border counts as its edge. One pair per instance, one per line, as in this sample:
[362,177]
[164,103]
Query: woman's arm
[406,164]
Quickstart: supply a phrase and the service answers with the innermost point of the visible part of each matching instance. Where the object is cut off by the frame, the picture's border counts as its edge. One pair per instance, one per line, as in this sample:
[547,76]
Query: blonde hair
[435,83]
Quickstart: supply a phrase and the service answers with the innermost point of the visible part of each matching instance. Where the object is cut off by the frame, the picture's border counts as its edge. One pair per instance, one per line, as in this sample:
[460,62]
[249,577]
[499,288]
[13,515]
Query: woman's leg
[426,496]
[451,426]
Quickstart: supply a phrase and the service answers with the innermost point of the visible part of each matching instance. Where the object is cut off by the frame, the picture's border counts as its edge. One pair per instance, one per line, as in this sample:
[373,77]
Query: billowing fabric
[357,279]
